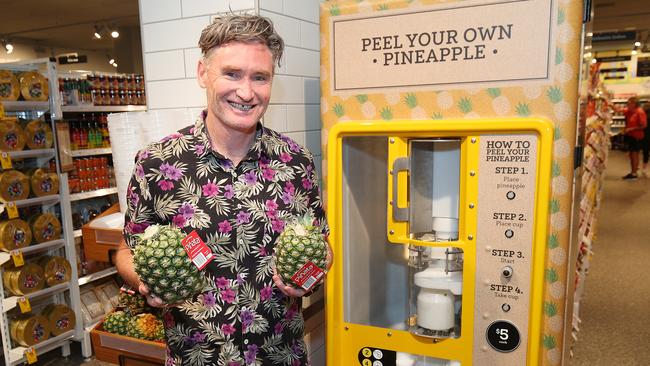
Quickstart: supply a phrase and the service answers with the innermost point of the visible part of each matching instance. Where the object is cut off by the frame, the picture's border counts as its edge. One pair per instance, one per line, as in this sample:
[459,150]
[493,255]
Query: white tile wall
[288,28]
[310,36]
[165,65]
[303,9]
[287,90]
[184,93]
[192,57]
[157,10]
[193,8]
[173,34]
[275,117]
[302,62]
[272,5]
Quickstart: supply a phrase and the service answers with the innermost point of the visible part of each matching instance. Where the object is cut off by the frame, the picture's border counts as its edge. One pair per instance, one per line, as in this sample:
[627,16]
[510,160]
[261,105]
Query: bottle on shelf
[74,135]
[83,132]
[106,139]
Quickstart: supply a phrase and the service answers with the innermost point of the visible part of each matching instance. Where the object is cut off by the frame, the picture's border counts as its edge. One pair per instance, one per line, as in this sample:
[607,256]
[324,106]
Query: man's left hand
[298,292]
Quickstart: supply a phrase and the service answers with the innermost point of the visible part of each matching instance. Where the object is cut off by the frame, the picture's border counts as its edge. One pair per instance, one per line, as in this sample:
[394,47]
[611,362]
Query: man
[635,123]
[237,184]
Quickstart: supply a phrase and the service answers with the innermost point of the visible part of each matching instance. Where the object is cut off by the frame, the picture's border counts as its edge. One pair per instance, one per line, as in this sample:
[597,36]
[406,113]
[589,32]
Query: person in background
[635,124]
[237,184]
[645,143]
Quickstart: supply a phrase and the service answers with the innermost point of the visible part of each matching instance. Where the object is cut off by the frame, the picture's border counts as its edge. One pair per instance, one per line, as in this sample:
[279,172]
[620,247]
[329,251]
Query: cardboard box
[100,244]
[122,350]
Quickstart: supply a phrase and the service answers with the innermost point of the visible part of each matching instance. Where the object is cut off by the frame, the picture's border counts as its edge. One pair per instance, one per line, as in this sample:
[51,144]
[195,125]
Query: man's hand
[152,299]
[298,292]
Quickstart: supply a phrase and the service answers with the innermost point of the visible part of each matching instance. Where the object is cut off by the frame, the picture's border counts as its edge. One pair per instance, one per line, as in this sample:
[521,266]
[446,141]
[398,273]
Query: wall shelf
[5,256]
[97,276]
[24,154]
[102,108]
[98,193]
[91,152]
[10,302]
[17,355]
[17,106]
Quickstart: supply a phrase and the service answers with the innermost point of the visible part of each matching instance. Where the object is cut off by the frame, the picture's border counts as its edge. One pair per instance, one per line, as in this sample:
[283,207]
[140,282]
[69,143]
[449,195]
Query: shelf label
[12,210]
[30,355]
[5,159]
[2,110]
[25,306]
[17,256]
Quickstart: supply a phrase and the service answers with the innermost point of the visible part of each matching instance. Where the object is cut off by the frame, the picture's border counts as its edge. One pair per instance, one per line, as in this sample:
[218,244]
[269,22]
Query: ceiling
[70,23]
[65,23]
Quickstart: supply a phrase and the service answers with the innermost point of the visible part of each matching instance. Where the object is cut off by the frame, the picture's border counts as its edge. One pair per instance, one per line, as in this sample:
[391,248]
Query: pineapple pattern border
[556,100]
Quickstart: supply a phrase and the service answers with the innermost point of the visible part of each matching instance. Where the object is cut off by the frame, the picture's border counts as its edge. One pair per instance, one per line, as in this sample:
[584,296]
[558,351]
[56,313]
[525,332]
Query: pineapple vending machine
[449,130]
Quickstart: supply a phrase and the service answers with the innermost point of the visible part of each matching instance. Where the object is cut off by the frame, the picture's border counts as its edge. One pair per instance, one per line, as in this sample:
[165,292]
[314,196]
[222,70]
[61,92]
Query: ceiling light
[115,33]
[637,44]
[594,61]
[590,34]
[114,64]
[634,52]
[111,61]
[97,33]
[8,46]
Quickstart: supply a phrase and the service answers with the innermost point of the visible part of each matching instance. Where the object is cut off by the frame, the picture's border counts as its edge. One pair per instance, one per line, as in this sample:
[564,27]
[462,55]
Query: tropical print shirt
[239,211]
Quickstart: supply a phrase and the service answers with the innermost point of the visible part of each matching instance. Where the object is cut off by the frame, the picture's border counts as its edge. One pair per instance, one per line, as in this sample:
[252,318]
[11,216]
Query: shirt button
[245,341]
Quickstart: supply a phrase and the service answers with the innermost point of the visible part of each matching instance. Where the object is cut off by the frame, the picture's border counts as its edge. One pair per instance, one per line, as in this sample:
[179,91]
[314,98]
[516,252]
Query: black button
[510,195]
[505,307]
[503,336]
[509,233]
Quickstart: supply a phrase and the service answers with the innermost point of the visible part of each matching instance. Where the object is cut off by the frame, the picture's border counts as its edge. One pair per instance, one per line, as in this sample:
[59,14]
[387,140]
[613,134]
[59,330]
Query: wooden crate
[100,244]
[122,350]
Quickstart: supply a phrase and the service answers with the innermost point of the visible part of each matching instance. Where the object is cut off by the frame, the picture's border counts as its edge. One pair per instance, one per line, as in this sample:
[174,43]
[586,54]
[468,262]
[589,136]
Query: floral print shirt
[239,211]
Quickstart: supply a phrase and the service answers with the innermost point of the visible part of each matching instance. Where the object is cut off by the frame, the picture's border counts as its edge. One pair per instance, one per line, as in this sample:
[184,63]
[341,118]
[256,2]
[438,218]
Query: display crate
[99,244]
[123,350]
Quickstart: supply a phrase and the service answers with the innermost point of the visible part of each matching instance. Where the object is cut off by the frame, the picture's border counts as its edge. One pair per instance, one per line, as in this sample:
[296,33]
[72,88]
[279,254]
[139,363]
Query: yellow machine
[454,274]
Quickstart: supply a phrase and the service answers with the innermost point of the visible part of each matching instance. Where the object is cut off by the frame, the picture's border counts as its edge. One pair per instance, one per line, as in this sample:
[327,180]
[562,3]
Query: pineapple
[323,71]
[500,103]
[559,182]
[556,289]
[133,303]
[522,109]
[444,100]
[553,354]
[367,108]
[340,112]
[553,320]
[532,91]
[116,322]
[416,111]
[146,326]
[383,7]
[561,147]
[563,71]
[465,106]
[335,10]
[558,254]
[558,218]
[162,264]
[436,115]
[393,98]
[299,243]
[565,33]
[324,106]
[364,6]
[561,109]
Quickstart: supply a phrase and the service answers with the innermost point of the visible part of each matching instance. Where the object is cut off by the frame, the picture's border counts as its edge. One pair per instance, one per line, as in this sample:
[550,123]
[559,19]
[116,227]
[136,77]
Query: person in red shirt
[635,122]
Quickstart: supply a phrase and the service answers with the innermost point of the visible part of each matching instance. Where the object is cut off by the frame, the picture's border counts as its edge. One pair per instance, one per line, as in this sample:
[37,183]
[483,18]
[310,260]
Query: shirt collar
[200,132]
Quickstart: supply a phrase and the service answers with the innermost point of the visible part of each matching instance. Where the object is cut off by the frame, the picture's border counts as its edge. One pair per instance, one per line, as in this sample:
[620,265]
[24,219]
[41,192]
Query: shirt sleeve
[314,196]
[139,205]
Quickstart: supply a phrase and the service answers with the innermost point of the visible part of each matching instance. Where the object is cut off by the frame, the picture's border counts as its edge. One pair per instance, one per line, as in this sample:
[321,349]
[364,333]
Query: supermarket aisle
[615,310]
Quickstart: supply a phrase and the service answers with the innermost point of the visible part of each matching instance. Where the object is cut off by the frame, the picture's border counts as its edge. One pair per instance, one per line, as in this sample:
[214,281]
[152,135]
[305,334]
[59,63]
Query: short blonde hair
[241,28]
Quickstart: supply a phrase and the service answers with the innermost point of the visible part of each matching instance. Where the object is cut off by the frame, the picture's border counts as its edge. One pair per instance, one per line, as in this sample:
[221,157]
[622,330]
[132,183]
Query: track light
[634,52]
[98,33]
[7,46]
[114,64]
[637,44]
[115,33]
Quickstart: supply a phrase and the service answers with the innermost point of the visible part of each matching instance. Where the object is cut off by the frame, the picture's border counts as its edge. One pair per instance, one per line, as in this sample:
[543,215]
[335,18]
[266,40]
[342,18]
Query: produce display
[300,242]
[117,322]
[163,265]
[12,136]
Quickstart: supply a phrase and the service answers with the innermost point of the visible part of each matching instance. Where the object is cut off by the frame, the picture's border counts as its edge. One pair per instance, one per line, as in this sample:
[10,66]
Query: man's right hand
[152,299]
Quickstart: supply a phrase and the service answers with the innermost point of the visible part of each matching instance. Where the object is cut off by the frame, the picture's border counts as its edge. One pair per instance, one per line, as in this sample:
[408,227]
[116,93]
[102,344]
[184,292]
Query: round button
[366,362]
[505,308]
[377,363]
[510,233]
[503,336]
[245,341]
[378,354]
[366,352]
[511,195]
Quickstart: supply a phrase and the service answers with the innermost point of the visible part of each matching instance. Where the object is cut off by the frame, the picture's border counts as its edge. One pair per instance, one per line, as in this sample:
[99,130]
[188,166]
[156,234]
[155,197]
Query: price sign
[503,336]
[5,159]
[25,306]
[30,355]
[12,210]
[17,256]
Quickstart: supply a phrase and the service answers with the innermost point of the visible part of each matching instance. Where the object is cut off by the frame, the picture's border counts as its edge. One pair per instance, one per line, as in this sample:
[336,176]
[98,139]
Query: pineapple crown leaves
[554,206]
[335,10]
[302,224]
[550,309]
[549,342]
[551,275]
[561,16]
[383,7]
[555,169]
[338,110]
[494,92]
[522,109]
[386,113]
[411,100]
[436,115]
[553,241]
[559,56]
[465,105]
[362,98]
[554,94]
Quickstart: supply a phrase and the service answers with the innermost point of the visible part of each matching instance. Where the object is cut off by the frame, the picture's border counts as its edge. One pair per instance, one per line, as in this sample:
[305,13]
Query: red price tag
[197,250]
[308,276]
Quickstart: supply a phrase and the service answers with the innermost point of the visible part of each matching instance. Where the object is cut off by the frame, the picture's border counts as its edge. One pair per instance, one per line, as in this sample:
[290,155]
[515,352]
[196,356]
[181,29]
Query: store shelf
[97,276]
[92,194]
[24,154]
[91,152]
[37,200]
[77,233]
[102,108]
[17,355]
[25,106]
[5,257]
[10,302]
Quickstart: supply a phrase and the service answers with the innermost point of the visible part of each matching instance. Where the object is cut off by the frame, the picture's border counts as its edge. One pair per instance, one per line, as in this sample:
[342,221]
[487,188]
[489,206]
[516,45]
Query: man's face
[237,78]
